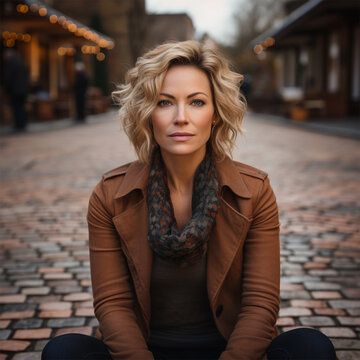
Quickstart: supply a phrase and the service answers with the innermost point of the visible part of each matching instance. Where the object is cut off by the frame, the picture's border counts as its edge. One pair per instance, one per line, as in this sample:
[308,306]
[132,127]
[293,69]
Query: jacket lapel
[230,231]
[132,226]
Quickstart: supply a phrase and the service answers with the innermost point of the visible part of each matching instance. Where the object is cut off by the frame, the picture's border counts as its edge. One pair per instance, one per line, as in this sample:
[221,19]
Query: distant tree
[101,77]
[253,18]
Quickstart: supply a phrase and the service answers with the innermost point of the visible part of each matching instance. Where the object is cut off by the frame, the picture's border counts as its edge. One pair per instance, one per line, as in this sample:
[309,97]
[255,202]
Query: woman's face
[184,112]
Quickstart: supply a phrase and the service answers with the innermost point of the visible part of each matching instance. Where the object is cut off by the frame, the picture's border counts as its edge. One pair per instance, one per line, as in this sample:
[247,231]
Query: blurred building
[49,42]
[317,58]
[122,20]
[51,35]
[166,27]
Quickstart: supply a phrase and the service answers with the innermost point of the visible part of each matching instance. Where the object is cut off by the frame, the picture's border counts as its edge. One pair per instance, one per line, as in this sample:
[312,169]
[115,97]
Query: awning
[62,23]
[302,14]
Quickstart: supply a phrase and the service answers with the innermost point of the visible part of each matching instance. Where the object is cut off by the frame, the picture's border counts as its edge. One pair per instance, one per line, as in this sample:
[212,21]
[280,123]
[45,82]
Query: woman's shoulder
[249,170]
[122,180]
[119,171]
[229,165]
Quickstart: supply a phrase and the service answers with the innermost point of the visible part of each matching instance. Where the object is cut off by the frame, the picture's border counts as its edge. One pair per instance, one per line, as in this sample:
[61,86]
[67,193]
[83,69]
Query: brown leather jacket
[243,271]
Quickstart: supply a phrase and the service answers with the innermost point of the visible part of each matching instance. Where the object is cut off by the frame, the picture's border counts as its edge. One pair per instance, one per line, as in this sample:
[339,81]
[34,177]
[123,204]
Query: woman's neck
[181,170]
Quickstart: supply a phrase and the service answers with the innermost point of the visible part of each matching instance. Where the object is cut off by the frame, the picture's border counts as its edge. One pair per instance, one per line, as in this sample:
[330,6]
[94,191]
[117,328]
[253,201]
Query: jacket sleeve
[114,299]
[260,300]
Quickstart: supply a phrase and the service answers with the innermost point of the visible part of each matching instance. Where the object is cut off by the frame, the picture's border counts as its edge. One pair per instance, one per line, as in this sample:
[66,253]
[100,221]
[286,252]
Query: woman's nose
[180,116]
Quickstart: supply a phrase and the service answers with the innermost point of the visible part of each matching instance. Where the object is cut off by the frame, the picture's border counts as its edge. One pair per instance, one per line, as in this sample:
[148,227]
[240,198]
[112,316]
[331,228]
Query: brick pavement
[46,180]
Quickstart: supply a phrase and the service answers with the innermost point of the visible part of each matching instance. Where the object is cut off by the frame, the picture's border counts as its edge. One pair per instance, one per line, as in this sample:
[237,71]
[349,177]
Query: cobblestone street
[47,178]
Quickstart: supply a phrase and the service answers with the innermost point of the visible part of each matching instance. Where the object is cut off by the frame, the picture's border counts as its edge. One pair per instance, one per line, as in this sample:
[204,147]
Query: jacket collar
[137,176]
[229,175]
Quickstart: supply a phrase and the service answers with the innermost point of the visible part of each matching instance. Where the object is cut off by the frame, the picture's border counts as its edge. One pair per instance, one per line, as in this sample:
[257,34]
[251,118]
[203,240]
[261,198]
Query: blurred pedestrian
[184,243]
[16,84]
[80,88]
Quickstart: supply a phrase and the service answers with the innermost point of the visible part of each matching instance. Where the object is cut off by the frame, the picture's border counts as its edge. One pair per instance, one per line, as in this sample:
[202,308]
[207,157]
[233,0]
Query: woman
[184,243]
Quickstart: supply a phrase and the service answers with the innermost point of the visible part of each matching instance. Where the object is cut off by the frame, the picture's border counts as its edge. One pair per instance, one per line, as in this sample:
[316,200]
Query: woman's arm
[254,329]
[114,297]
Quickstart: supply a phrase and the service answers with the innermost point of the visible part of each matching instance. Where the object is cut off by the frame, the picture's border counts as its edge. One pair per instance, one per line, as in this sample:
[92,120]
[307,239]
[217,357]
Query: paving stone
[25,314]
[340,332]
[65,283]
[85,312]
[8,290]
[327,311]
[48,270]
[316,321]
[4,299]
[32,334]
[351,293]
[344,304]
[17,307]
[85,282]
[44,290]
[59,305]
[314,265]
[13,345]
[321,286]
[65,313]
[300,279]
[308,304]
[59,275]
[291,287]
[27,324]
[80,296]
[43,299]
[346,343]
[347,320]
[4,324]
[93,322]
[4,334]
[324,272]
[40,344]
[59,323]
[326,295]
[353,312]
[67,289]
[66,264]
[285,321]
[294,311]
[31,355]
[348,355]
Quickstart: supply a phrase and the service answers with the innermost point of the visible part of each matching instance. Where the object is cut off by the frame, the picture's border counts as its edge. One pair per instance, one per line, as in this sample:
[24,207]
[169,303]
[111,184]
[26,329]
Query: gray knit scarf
[189,245]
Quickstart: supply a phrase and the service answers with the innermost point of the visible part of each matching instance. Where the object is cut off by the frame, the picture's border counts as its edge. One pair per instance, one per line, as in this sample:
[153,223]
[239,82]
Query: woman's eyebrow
[189,96]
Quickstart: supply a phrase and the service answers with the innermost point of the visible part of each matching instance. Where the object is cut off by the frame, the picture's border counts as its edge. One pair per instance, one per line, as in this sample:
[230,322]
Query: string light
[258,49]
[34,7]
[70,26]
[5,34]
[100,56]
[42,11]
[9,42]
[27,37]
[62,19]
[53,19]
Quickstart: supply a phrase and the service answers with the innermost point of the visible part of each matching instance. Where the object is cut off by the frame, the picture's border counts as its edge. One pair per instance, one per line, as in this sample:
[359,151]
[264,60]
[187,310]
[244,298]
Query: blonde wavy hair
[139,95]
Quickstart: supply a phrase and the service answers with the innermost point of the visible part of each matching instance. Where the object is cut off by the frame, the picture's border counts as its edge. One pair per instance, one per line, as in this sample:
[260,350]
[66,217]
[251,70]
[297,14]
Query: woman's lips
[181,136]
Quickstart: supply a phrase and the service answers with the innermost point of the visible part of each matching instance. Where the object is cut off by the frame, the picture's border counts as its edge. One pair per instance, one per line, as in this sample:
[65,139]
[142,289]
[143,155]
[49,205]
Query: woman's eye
[163,103]
[198,102]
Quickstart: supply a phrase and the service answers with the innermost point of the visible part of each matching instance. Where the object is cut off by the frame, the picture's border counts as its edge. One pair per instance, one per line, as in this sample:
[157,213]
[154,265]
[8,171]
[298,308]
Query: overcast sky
[212,16]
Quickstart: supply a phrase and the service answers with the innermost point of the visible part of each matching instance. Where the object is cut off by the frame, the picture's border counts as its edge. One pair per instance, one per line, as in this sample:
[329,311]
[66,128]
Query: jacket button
[219,310]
